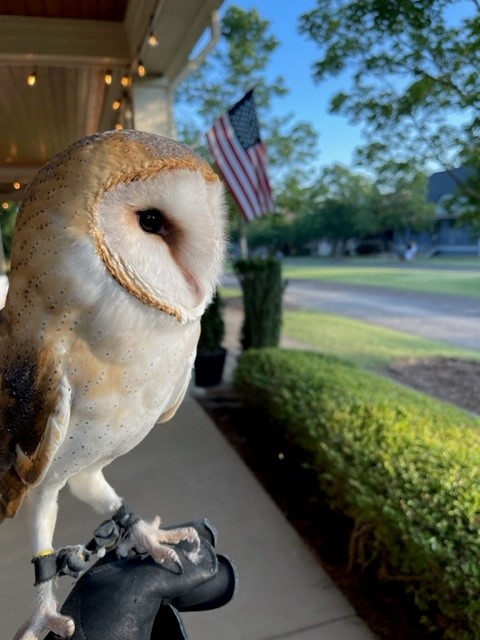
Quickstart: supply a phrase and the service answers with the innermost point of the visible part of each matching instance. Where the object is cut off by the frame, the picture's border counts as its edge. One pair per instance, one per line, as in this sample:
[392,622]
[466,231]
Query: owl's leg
[42,515]
[91,487]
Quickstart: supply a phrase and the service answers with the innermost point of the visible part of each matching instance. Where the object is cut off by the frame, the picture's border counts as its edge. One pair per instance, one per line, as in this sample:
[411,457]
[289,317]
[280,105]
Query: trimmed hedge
[262,287]
[404,466]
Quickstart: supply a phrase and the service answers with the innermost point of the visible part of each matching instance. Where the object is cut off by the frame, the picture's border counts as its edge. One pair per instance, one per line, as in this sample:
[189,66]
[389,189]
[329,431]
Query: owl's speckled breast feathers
[118,247]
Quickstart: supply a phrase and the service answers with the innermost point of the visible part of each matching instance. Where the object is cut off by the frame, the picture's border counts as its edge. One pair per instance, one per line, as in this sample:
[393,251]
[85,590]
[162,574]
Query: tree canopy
[334,203]
[342,204]
[414,68]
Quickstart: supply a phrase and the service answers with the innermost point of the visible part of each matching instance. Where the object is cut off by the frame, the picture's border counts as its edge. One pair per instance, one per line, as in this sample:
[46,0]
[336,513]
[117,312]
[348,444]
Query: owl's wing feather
[32,467]
[35,402]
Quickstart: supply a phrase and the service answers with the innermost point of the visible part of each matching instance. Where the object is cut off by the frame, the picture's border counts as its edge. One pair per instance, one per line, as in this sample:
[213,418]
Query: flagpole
[243,238]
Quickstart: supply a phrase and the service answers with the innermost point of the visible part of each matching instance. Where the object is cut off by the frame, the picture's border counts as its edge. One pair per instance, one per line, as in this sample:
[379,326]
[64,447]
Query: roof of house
[444,183]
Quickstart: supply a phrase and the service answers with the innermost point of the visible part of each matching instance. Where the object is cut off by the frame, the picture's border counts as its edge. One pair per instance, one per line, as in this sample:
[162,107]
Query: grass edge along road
[370,346]
[465,281]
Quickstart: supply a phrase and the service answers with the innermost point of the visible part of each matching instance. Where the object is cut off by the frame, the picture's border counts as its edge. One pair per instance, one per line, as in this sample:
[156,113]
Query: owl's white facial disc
[162,239]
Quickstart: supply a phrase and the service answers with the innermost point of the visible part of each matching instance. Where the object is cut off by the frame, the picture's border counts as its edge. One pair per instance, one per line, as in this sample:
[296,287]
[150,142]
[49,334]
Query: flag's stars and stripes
[241,156]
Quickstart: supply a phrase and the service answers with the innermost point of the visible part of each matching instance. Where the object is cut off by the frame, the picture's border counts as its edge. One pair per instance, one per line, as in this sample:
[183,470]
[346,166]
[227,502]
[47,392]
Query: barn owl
[118,247]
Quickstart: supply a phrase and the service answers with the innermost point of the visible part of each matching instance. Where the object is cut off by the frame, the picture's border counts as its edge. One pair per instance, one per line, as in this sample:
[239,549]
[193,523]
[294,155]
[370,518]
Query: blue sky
[293,60]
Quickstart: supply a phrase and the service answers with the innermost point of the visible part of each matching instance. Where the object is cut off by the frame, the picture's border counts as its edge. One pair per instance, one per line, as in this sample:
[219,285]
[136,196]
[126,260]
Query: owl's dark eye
[152,221]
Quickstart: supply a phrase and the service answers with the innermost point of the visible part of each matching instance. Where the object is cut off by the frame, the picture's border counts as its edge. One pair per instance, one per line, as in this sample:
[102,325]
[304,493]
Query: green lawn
[460,282]
[366,344]
[230,292]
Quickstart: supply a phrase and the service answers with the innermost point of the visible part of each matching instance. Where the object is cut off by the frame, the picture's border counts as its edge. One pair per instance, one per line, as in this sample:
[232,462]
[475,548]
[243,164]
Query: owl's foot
[126,531]
[45,617]
[148,537]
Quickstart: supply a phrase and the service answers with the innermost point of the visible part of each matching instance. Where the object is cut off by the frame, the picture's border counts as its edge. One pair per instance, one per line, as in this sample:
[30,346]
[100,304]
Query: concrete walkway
[184,470]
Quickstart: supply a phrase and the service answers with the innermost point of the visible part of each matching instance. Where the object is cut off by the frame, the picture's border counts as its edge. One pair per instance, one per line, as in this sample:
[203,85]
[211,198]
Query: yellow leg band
[44,553]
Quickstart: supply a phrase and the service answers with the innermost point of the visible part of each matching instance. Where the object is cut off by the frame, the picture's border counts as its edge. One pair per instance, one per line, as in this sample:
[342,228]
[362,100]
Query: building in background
[450,236]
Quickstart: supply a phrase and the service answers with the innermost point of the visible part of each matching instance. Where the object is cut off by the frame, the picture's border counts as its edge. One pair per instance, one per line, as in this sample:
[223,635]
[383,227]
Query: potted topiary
[210,358]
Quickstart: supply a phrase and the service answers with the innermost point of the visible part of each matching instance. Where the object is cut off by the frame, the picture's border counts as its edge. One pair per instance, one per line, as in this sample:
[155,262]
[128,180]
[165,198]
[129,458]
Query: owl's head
[131,206]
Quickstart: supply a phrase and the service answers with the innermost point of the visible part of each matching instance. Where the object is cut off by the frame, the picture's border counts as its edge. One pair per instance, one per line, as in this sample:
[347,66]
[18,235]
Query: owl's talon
[45,617]
[62,626]
[39,622]
[163,554]
[147,536]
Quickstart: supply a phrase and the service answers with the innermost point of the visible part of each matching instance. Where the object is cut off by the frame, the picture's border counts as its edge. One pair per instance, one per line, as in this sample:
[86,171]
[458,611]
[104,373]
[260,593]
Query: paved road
[448,318]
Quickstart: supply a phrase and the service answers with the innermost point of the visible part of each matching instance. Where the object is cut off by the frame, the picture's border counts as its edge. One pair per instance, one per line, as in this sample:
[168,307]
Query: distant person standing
[411,250]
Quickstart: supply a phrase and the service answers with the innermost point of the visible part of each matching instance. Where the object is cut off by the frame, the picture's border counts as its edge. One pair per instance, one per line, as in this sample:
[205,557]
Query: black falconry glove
[134,598]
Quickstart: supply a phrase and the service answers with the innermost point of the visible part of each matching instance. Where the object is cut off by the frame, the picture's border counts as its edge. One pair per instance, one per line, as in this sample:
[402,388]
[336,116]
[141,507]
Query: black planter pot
[209,367]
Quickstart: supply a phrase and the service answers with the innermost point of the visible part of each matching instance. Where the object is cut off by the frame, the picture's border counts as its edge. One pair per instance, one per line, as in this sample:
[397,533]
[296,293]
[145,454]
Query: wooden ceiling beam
[62,42]
[10,173]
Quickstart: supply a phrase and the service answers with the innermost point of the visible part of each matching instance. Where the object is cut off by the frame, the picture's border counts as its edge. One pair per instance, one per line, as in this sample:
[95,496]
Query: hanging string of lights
[123,104]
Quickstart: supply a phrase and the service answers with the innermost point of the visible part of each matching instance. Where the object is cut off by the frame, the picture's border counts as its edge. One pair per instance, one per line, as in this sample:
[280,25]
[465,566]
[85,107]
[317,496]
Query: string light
[126,80]
[32,78]
[5,205]
[152,39]
[141,69]
[108,77]
[116,105]
[118,126]
[16,185]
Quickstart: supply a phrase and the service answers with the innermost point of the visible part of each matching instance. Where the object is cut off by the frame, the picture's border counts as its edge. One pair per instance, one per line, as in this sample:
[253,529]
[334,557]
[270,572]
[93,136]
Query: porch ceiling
[70,46]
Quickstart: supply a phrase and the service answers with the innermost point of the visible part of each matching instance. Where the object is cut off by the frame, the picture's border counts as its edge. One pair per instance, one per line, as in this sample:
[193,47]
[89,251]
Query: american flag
[241,156]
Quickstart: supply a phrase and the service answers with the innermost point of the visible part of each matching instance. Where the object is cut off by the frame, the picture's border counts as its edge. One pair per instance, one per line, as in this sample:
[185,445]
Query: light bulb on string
[116,105]
[152,39]
[118,126]
[5,205]
[141,69]
[16,185]
[126,80]
[32,78]
[108,77]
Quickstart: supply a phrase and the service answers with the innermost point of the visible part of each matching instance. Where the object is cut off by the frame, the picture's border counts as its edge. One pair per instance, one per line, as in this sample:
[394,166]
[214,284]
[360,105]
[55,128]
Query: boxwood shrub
[404,466]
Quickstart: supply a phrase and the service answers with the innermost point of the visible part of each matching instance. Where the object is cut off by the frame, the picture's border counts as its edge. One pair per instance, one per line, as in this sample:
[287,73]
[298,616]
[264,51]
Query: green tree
[270,232]
[343,205]
[404,205]
[342,183]
[413,66]
[340,220]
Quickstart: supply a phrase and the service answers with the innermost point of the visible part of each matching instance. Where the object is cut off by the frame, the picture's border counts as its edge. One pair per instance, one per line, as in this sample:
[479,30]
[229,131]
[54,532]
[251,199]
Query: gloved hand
[135,598]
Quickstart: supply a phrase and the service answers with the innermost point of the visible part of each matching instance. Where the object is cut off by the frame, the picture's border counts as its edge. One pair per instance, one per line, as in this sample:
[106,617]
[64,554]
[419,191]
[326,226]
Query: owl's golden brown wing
[34,413]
